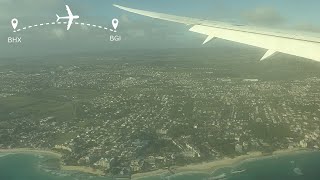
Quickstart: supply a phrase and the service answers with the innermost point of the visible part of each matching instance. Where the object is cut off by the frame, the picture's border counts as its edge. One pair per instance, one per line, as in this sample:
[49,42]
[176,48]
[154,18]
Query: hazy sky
[138,31]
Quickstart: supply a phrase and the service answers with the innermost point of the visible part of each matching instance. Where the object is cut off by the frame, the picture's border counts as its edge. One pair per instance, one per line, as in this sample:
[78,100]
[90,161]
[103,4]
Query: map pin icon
[115,23]
[14,23]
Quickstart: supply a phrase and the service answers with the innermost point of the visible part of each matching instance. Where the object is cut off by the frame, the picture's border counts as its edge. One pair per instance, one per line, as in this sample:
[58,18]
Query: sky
[139,32]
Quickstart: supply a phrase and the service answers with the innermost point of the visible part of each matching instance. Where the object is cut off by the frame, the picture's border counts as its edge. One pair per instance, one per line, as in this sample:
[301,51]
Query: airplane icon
[70,17]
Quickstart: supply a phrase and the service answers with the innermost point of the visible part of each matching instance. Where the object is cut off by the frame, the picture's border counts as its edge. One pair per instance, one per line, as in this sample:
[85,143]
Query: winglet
[268,54]
[209,38]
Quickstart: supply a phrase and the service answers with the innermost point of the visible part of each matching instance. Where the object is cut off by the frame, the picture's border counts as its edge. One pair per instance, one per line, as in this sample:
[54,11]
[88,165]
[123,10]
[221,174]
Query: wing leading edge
[70,17]
[301,45]
[69,11]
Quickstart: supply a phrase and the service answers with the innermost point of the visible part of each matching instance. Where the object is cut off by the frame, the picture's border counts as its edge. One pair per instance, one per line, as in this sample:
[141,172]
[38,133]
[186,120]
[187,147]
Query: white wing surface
[288,42]
[70,23]
[69,11]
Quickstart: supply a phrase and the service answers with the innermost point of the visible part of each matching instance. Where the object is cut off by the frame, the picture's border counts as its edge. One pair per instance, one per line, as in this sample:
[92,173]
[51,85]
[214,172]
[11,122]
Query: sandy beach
[225,162]
[148,174]
[205,167]
[83,169]
[208,167]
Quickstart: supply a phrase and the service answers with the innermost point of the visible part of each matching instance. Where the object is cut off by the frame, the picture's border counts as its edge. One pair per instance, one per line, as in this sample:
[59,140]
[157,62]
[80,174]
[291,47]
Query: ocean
[298,166]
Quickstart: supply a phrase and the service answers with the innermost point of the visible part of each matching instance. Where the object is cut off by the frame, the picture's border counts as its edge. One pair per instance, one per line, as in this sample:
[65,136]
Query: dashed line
[53,23]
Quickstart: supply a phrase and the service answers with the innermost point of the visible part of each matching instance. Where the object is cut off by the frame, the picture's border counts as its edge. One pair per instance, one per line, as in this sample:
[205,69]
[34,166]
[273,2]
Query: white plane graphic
[70,17]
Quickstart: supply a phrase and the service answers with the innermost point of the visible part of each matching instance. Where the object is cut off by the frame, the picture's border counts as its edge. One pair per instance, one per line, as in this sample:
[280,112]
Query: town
[129,115]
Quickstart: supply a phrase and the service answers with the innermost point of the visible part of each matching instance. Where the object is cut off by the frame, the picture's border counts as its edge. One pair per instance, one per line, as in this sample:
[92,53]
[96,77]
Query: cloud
[58,32]
[307,27]
[150,29]
[268,16]
[2,2]
[22,8]
[85,28]
[124,18]
[264,16]
[136,32]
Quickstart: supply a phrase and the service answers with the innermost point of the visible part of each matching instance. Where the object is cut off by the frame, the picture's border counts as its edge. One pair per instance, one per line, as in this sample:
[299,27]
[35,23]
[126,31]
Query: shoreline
[30,151]
[211,166]
[82,169]
[204,167]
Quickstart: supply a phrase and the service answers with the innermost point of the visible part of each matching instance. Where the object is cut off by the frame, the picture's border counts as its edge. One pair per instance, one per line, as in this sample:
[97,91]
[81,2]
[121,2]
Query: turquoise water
[27,167]
[301,166]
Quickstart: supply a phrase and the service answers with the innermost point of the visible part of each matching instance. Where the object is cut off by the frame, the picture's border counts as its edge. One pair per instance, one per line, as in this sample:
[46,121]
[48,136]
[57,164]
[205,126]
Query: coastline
[30,151]
[53,154]
[205,167]
[149,174]
[209,167]
[291,151]
[82,169]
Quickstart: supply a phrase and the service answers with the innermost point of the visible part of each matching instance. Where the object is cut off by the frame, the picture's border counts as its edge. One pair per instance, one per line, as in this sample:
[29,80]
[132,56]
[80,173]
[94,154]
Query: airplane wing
[293,43]
[69,11]
[70,23]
